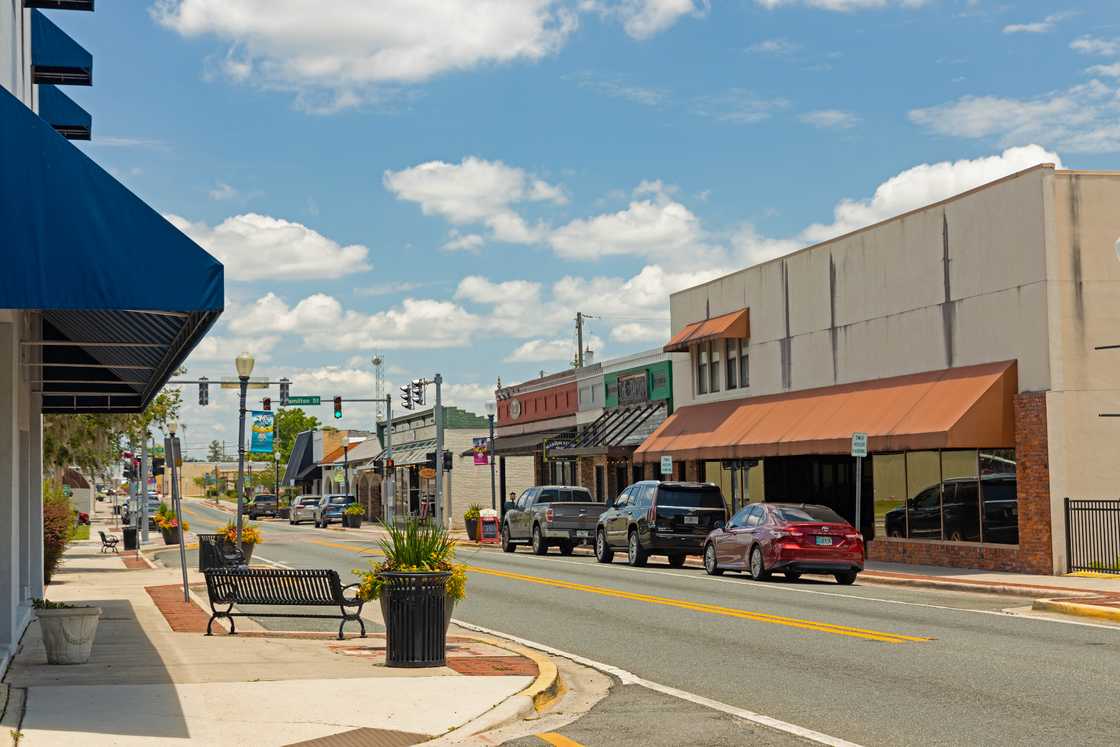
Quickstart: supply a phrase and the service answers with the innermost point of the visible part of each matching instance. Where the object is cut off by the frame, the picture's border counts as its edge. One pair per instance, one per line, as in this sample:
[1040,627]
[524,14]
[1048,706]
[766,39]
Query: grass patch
[81,532]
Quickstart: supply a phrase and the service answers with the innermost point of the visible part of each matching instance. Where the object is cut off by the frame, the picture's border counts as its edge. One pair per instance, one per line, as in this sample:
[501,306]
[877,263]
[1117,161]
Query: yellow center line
[559,740]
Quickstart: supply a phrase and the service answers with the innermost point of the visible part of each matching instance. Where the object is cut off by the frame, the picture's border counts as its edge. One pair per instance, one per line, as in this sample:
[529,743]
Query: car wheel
[710,564]
[758,567]
[507,545]
[846,578]
[791,575]
[566,548]
[603,552]
[635,555]
[539,545]
[676,560]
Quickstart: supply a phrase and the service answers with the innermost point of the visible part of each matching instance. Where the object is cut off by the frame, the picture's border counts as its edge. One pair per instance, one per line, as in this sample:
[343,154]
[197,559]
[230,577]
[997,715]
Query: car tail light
[854,536]
[783,533]
[548,514]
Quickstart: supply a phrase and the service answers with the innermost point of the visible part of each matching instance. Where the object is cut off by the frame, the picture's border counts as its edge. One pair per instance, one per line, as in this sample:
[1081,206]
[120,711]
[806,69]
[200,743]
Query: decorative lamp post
[244,364]
[491,408]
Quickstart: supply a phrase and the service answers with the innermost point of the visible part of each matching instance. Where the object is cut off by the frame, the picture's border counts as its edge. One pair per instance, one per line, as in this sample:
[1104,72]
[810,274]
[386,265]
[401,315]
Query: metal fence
[1093,535]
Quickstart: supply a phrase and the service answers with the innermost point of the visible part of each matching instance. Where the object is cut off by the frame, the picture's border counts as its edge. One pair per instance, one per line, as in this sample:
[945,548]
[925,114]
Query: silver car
[305,508]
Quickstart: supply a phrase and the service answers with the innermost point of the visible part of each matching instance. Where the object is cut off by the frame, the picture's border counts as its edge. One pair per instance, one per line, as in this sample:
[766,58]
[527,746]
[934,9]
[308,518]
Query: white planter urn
[68,633]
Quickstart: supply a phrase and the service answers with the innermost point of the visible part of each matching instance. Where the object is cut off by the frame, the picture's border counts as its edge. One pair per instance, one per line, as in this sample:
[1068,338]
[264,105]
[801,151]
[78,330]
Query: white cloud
[924,184]
[1081,119]
[1107,71]
[346,48]
[619,88]
[1038,27]
[738,106]
[774,46]
[475,191]
[842,6]
[830,119]
[258,247]
[752,248]
[467,242]
[630,333]
[222,348]
[539,351]
[223,191]
[645,18]
[1096,46]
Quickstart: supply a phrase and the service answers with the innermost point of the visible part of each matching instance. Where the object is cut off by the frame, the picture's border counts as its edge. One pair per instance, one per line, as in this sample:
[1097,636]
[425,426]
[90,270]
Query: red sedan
[791,538]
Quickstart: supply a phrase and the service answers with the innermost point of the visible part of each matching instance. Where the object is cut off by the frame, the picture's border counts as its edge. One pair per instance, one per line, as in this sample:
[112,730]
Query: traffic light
[417,392]
[284,385]
[266,403]
[337,407]
[447,460]
[157,466]
[203,391]
[430,459]
[390,464]
[406,396]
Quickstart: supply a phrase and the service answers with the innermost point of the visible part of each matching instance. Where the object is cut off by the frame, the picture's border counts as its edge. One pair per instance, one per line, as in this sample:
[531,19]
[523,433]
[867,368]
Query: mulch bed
[183,617]
[134,562]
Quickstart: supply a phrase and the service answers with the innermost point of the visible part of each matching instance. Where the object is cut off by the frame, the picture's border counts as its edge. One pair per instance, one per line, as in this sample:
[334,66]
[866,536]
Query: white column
[25,517]
[10,548]
[35,494]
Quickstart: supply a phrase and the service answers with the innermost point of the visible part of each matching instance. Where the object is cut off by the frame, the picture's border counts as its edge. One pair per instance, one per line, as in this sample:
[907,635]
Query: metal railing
[1093,535]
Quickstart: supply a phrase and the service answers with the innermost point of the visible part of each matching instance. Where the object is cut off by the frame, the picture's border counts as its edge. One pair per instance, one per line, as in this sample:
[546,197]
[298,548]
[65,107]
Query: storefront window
[999,497]
[960,496]
[923,495]
[744,365]
[889,481]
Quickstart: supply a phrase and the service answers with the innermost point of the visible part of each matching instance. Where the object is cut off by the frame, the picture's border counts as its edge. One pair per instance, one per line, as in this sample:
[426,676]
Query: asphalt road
[874,665]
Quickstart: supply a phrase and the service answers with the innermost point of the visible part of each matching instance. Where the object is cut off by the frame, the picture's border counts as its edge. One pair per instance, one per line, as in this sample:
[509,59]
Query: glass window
[643,496]
[754,515]
[566,496]
[960,496]
[744,365]
[714,368]
[548,495]
[523,499]
[623,498]
[889,481]
[702,369]
[923,495]
[999,497]
[739,519]
[731,353]
[683,497]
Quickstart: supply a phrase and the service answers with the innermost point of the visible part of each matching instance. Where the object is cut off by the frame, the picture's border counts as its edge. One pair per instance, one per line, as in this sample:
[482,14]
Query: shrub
[58,521]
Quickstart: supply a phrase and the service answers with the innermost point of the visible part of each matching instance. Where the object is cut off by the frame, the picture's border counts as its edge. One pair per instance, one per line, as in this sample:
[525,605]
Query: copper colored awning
[968,407]
[733,325]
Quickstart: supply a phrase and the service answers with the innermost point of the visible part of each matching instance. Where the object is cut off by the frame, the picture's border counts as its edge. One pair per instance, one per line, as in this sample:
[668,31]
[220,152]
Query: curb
[1008,590]
[1074,608]
[547,686]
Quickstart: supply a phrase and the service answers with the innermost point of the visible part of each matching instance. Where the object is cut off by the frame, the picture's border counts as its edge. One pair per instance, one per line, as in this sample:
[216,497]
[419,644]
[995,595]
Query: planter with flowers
[352,516]
[68,630]
[250,538]
[168,525]
[472,520]
[417,584]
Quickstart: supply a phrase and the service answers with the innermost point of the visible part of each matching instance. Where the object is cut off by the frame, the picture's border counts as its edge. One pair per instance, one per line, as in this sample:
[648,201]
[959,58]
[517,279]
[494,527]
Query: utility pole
[390,474]
[440,508]
[579,339]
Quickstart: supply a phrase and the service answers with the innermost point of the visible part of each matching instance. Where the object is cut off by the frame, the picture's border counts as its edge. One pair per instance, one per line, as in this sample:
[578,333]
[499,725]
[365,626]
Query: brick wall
[1034,552]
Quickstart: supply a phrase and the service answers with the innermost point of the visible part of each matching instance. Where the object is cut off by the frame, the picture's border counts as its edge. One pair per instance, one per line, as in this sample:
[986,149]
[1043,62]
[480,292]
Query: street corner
[1102,607]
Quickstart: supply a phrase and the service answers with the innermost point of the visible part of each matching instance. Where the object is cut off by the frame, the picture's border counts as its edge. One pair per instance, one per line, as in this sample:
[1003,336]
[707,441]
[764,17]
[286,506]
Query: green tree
[215,453]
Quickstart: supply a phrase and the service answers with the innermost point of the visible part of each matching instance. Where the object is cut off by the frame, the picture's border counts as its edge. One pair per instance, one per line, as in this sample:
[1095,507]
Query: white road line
[276,563]
[629,678]
[743,584]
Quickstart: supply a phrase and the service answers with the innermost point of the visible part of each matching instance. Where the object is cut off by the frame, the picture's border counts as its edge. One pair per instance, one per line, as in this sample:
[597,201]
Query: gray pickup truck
[548,515]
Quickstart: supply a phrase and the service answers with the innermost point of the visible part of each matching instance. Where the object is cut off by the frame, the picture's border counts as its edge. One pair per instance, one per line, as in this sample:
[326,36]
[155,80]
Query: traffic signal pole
[390,473]
[441,509]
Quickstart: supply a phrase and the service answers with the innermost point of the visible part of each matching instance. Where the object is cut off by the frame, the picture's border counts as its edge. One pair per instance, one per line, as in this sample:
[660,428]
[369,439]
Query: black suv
[660,518]
[261,505]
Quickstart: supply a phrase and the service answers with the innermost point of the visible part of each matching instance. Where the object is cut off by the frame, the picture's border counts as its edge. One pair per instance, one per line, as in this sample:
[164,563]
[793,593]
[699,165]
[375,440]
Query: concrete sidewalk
[147,684]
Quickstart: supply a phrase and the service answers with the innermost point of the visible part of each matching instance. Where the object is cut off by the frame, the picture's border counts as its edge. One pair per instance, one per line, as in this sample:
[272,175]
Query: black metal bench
[108,542]
[279,587]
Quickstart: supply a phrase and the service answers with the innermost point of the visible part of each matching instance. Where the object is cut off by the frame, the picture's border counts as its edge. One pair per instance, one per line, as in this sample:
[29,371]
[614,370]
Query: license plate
[824,540]
[692,520]
[583,533]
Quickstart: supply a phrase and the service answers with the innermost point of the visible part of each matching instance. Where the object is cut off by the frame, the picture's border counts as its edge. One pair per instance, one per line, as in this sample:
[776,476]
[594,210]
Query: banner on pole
[261,440]
[481,450]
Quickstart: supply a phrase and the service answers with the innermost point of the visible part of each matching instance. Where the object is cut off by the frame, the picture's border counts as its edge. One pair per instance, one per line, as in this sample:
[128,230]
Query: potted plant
[417,584]
[352,516]
[169,527]
[250,538]
[68,630]
[472,520]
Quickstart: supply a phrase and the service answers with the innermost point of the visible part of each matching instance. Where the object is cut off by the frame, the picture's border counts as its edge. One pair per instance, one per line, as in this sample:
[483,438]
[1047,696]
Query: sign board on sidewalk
[859,444]
[304,400]
[666,465]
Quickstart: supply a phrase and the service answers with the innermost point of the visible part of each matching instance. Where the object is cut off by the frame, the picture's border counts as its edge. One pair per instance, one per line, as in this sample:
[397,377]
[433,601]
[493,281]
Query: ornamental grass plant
[416,547]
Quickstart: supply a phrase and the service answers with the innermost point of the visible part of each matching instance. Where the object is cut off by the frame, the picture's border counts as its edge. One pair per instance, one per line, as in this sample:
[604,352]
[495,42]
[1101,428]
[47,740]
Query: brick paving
[183,617]
[489,666]
[134,562]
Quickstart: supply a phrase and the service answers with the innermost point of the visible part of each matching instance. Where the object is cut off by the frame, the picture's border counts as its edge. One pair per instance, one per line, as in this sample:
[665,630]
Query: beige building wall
[471,484]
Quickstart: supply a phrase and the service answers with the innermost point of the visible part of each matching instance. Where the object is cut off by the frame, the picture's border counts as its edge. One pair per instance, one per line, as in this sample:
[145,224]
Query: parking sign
[859,444]
[666,465]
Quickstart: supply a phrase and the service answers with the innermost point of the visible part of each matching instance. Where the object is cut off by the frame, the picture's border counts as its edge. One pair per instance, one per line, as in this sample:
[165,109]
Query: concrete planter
[68,633]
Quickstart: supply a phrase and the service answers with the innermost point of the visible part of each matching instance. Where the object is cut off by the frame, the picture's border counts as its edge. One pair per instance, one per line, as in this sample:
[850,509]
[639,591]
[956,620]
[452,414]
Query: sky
[447,182]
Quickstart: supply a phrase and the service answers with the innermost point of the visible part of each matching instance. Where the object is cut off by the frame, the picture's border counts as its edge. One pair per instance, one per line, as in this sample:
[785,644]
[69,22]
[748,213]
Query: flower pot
[170,535]
[416,616]
[472,528]
[68,633]
[354,522]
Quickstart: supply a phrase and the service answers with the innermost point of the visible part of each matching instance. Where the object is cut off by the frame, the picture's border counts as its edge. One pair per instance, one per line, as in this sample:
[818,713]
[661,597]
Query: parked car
[785,537]
[330,510]
[547,515]
[261,505]
[659,518]
[304,508]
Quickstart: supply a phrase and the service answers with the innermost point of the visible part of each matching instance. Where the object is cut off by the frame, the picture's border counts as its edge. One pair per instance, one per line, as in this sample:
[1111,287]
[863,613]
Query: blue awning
[55,57]
[70,120]
[123,295]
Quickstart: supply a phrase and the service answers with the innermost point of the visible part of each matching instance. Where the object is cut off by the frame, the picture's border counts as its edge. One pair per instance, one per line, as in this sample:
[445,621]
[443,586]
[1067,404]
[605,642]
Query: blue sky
[448,184]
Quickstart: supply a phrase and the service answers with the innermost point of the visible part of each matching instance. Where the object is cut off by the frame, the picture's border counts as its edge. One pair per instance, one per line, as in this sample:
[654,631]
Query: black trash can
[131,539]
[413,604]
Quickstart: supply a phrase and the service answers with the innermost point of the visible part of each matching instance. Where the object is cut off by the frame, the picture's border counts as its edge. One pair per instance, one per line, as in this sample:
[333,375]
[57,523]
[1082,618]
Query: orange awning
[968,407]
[734,325]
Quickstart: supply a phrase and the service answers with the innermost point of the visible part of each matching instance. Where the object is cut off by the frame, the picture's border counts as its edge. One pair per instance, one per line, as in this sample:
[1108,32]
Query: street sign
[337,477]
[859,444]
[303,400]
[666,465]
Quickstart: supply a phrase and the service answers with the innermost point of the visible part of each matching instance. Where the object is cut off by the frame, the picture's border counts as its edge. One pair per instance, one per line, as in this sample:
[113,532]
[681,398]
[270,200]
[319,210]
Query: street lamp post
[490,409]
[244,364]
